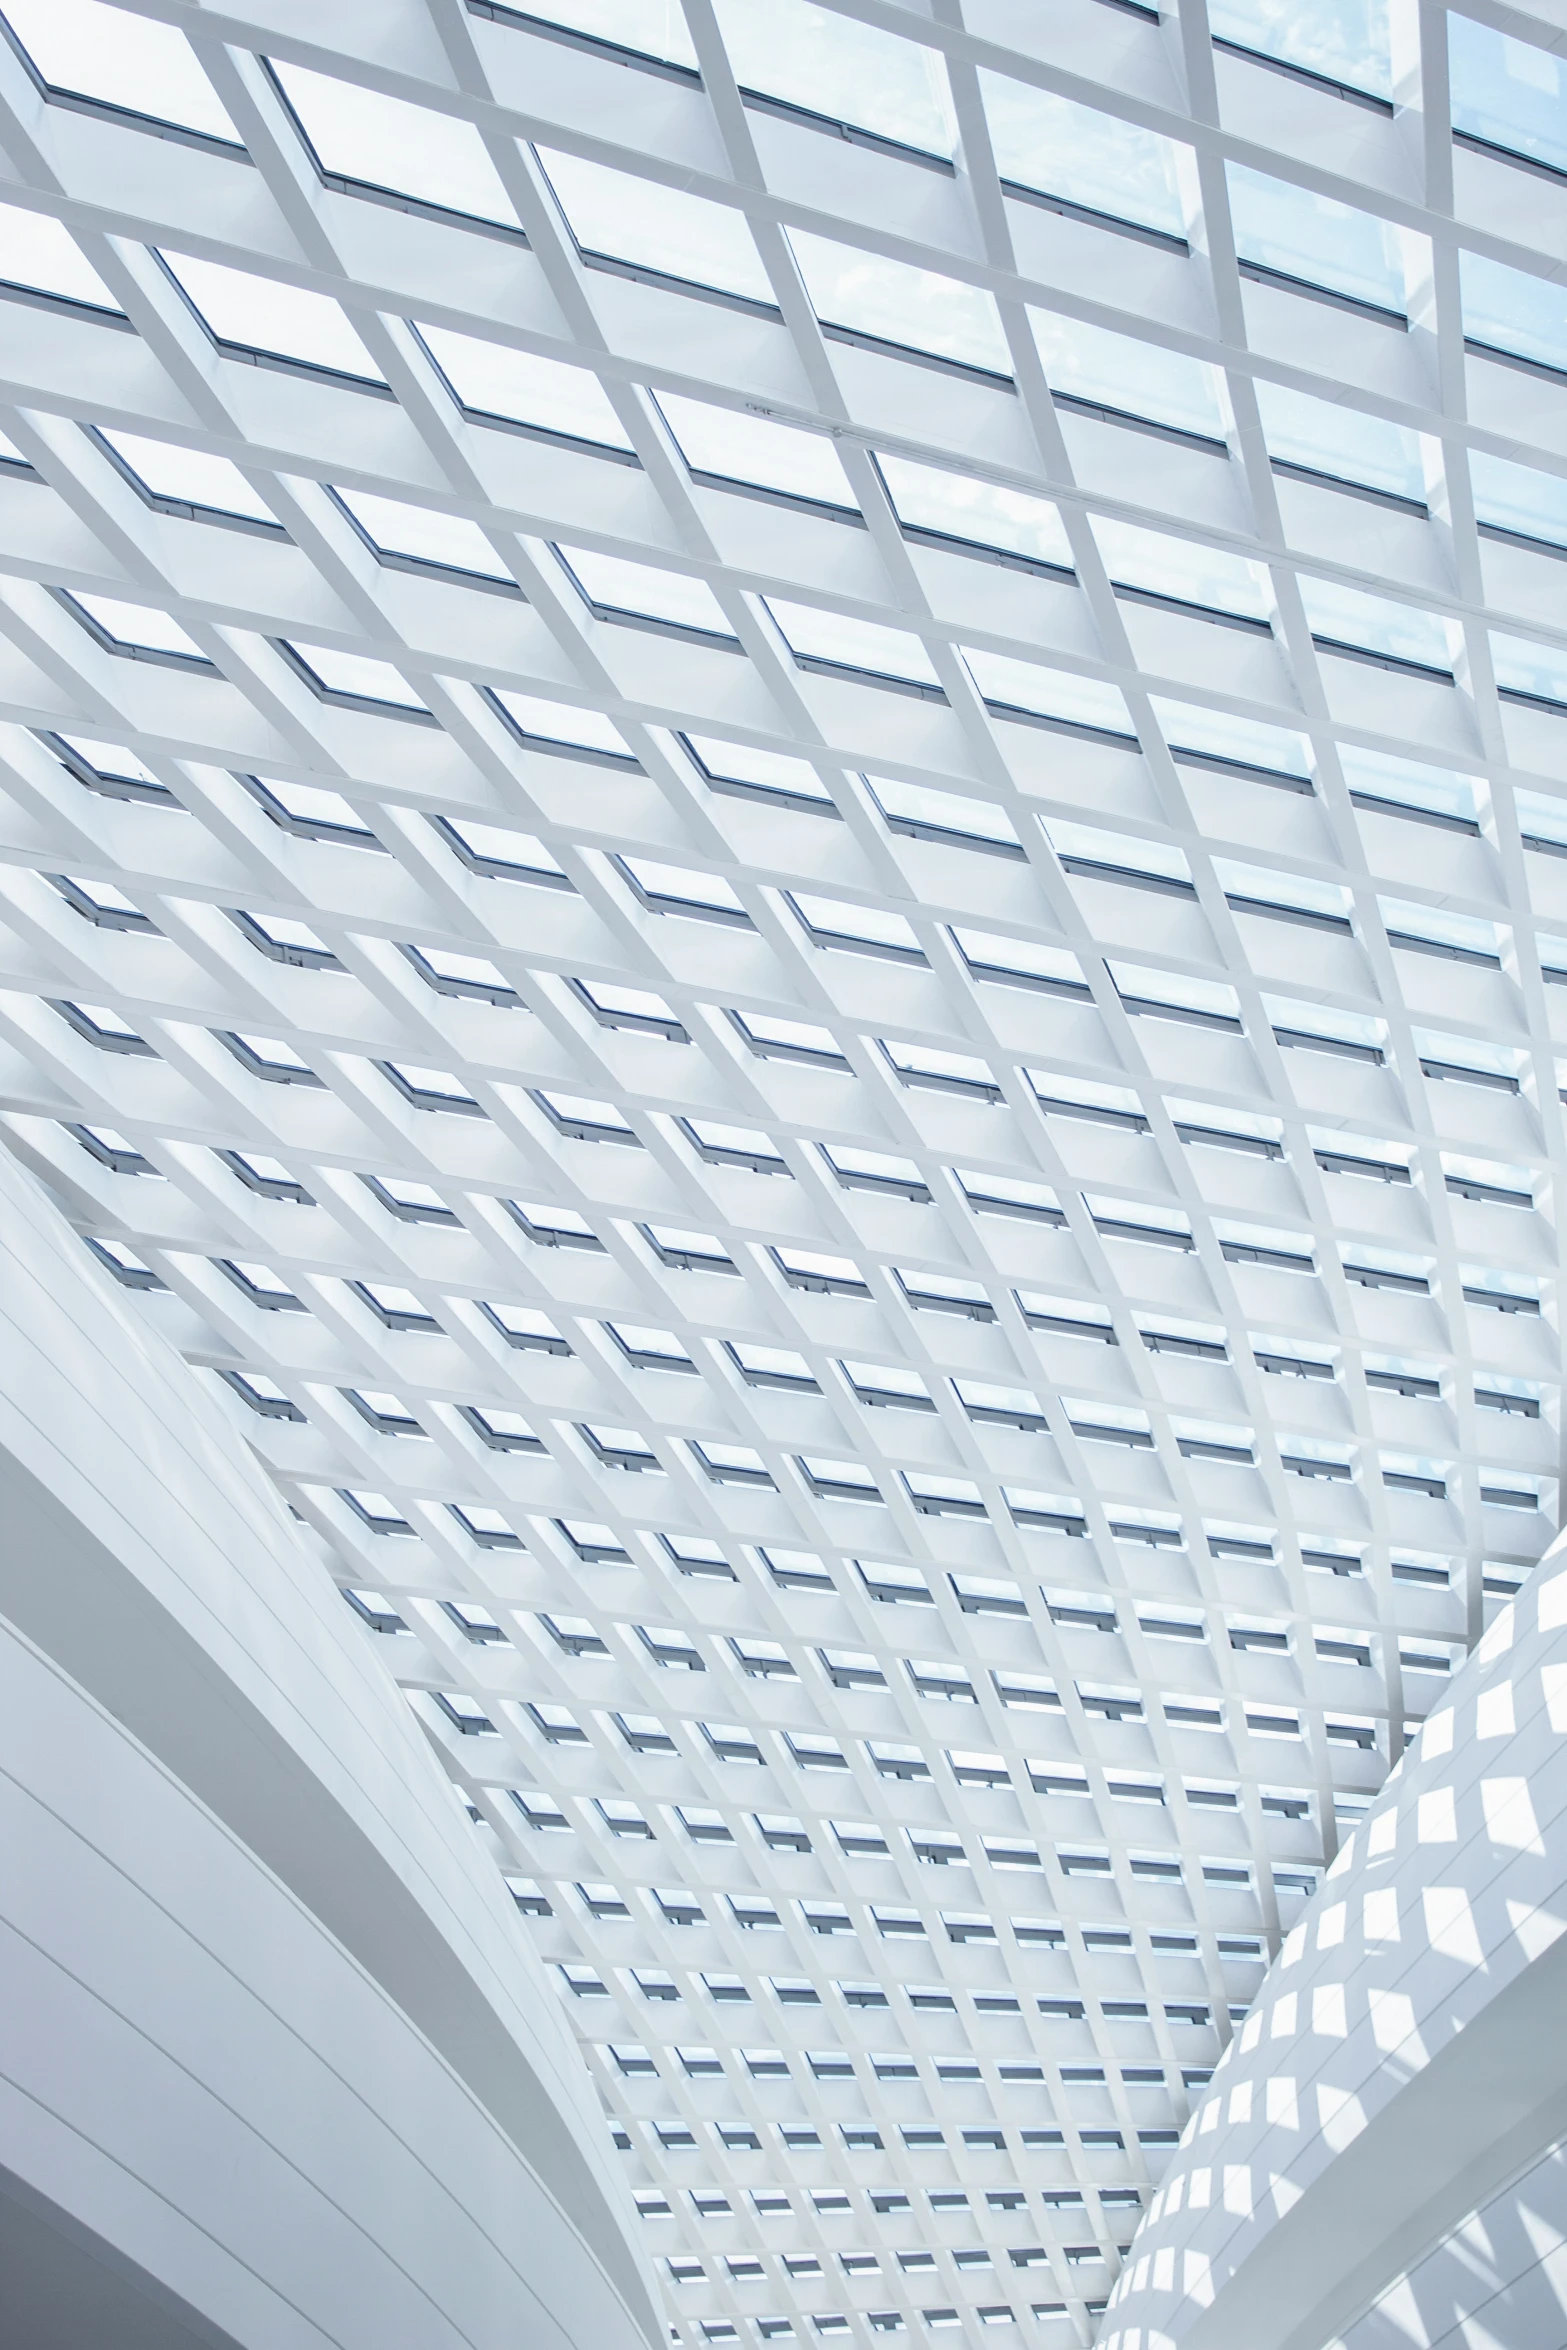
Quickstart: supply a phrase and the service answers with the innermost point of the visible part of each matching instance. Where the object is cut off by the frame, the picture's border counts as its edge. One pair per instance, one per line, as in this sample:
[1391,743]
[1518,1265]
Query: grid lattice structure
[781,800]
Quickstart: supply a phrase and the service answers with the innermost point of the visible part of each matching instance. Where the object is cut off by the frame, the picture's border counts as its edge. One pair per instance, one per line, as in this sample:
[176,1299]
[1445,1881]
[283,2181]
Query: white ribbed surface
[1270,1098]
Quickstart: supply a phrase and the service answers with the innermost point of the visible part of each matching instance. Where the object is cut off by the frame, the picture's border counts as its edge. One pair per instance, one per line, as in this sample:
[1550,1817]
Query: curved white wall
[1371,2166]
[276,2066]
[1497,2282]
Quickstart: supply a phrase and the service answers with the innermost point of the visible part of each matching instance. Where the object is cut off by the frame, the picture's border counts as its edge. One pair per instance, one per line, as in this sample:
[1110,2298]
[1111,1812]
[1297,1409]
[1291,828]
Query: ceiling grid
[783,797]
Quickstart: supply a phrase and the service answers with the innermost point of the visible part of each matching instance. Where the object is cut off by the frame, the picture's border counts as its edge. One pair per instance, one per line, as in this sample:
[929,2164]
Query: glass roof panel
[1507,91]
[518,387]
[359,674]
[1186,569]
[192,475]
[655,28]
[1052,693]
[427,533]
[925,497]
[42,255]
[618,586]
[386,143]
[1513,310]
[851,72]
[1045,141]
[894,302]
[121,58]
[1327,437]
[857,644]
[1346,40]
[562,722]
[1305,235]
[138,624]
[736,447]
[652,226]
[1096,364]
[1349,616]
[1519,497]
[264,314]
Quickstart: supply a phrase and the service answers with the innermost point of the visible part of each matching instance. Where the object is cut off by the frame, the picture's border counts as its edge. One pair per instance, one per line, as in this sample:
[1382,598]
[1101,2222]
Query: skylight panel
[41,255]
[1468,936]
[474,976]
[493,383]
[430,1089]
[1207,1121]
[1296,233]
[789,1040]
[1001,1195]
[1094,365]
[1050,144]
[832,922]
[310,810]
[836,641]
[830,65]
[1523,667]
[385,143]
[690,239]
[1442,1055]
[652,28]
[102,1025]
[192,477]
[102,903]
[1378,777]
[1085,847]
[355,677]
[1345,40]
[1518,498]
[1513,310]
[1242,742]
[502,854]
[609,584]
[914,809]
[140,627]
[277,321]
[424,534]
[981,513]
[1185,569]
[742,769]
[675,889]
[271,1057]
[1375,624]
[1541,818]
[109,768]
[1033,691]
[1020,962]
[1143,989]
[1296,1021]
[563,725]
[734,447]
[893,302]
[1507,92]
[285,940]
[1250,887]
[1324,436]
[120,59]
[633,1008]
